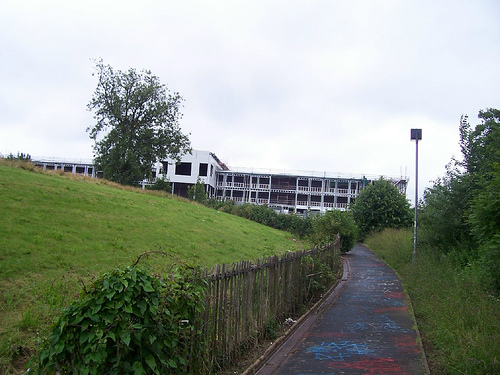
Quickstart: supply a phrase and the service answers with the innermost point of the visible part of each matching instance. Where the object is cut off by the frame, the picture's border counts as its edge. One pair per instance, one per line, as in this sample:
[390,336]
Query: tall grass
[458,320]
[58,232]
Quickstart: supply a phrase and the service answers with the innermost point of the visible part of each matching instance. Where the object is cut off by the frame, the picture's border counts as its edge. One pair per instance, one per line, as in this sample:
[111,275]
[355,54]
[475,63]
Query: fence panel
[244,298]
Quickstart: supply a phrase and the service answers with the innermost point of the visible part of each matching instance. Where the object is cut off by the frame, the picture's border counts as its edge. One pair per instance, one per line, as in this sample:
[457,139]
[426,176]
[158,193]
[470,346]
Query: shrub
[326,228]
[21,156]
[490,264]
[128,321]
[264,215]
[162,184]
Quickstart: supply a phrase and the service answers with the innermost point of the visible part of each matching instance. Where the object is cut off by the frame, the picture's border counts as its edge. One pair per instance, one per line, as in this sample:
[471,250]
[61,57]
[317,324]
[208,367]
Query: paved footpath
[364,327]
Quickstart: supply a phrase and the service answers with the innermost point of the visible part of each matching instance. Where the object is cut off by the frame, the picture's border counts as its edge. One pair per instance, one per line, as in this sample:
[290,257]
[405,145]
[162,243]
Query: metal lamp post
[416,134]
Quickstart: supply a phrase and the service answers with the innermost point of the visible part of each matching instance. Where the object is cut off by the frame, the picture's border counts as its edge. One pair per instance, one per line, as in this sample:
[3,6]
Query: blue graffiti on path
[389,324]
[382,322]
[357,326]
[338,351]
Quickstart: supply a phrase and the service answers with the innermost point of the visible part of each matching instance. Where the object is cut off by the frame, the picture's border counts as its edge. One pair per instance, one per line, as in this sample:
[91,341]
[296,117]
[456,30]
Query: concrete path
[364,327]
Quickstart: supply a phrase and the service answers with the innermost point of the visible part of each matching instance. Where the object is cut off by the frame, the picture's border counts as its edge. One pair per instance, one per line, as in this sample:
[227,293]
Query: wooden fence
[245,299]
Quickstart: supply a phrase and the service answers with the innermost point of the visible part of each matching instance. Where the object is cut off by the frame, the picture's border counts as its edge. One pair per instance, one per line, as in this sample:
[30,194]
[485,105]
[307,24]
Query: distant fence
[246,298]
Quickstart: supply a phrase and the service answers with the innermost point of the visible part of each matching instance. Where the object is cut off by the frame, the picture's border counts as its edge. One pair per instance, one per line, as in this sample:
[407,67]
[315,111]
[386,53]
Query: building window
[203,169]
[183,169]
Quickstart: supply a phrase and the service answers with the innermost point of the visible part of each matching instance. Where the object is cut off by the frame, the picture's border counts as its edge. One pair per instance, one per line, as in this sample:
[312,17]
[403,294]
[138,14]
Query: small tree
[380,206]
[197,192]
[141,120]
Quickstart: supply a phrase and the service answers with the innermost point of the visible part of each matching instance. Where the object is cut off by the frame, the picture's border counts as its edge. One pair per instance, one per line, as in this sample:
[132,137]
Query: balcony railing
[260,186]
[289,189]
[259,201]
[299,204]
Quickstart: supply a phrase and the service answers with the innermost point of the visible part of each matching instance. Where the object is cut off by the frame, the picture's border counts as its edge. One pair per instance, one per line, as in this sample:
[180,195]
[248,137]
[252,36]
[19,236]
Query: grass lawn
[59,231]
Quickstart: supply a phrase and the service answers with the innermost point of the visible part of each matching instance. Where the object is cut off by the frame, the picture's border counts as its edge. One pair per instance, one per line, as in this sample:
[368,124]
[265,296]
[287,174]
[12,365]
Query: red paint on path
[365,328]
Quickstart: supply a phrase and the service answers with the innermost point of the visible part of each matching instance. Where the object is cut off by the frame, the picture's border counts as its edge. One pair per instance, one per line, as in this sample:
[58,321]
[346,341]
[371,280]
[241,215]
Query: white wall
[195,158]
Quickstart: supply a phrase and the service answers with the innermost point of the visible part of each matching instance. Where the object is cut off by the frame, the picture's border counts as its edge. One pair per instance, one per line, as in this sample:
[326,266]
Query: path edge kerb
[412,314]
[317,308]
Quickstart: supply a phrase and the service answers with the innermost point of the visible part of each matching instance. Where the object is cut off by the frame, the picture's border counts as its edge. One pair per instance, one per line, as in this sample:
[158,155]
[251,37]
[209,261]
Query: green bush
[262,214]
[320,273]
[162,184]
[129,322]
[326,228]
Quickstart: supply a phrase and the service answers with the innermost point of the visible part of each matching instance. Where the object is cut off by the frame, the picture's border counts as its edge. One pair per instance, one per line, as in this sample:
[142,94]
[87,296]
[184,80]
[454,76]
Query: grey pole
[416,134]
[416,200]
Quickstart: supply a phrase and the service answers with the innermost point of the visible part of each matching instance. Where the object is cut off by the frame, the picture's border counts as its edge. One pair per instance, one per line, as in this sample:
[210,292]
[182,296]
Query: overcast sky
[326,85]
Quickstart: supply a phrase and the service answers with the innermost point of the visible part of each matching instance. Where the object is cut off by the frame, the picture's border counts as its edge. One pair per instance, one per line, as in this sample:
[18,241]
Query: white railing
[262,201]
[260,186]
[237,185]
[259,201]
[55,160]
[306,173]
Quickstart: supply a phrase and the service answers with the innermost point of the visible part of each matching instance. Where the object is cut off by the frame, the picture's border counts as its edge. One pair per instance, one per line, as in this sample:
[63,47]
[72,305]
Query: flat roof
[306,173]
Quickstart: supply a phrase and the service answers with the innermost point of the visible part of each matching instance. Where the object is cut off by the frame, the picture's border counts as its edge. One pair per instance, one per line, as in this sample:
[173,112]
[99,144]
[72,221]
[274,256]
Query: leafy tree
[443,221]
[484,214]
[484,217]
[460,212]
[380,206]
[197,192]
[454,206]
[480,146]
[140,119]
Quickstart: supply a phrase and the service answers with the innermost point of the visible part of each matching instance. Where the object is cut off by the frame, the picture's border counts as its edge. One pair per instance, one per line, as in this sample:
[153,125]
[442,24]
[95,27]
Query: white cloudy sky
[327,85]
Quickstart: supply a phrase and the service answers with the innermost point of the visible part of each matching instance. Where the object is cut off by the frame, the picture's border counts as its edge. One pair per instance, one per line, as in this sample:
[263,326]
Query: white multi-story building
[203,165]
[78,166]
[283,191]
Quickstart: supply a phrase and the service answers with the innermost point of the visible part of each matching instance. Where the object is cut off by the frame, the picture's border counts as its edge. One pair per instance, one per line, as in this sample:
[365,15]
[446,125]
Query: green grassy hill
[58,231]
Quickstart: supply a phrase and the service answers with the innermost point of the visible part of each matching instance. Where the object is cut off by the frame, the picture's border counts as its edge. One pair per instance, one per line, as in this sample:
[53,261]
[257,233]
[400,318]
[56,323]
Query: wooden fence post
[244,297]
